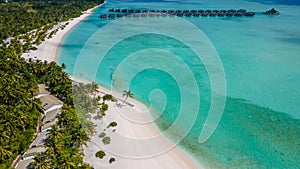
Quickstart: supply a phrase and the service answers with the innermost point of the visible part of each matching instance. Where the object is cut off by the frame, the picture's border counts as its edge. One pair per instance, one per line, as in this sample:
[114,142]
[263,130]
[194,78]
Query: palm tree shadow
[119,105]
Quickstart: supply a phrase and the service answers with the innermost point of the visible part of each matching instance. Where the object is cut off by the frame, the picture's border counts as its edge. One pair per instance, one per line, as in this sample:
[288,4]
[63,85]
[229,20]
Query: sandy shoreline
[174,158]
[49,49]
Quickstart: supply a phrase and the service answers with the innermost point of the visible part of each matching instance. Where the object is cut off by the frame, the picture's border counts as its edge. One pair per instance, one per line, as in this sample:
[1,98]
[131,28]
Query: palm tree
[4,153]
[40,162]
[95,88]
[127,94]
[63,66]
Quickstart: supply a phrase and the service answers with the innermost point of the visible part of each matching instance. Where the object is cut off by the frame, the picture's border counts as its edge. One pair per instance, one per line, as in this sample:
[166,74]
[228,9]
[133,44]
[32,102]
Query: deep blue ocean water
[260,126]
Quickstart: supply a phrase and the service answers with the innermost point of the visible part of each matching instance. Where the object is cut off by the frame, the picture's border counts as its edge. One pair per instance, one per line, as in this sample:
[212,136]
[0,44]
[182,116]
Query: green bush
[112,124]
[103,134]
[106,140]
[100,154]
[111,160]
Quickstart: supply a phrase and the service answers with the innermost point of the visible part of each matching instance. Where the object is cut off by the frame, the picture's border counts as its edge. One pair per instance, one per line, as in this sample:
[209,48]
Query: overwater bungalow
[232,10]
[229,14]
[188,14]
[238,14]
[221,14]
[196,14]
[103,16]
[137,11]
[271,12]
[111,16]
[130,10]
[120,15]
[204,14]
[216,11]
[243,11]
[212,14]
[151,14]
[249,14]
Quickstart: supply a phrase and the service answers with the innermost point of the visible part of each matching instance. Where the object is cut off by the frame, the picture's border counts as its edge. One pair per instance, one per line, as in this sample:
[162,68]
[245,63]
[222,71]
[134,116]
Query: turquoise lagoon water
[260,126]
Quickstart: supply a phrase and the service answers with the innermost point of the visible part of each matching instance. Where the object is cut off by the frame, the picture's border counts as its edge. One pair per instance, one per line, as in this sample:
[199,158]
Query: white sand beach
[174,158]
[128,127]
[48,50]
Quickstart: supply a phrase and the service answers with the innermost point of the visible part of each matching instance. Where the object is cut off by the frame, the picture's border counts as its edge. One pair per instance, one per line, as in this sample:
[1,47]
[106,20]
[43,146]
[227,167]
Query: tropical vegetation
[23,25]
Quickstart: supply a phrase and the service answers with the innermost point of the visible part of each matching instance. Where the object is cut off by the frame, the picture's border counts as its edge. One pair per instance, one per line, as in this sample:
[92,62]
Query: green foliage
[19,112]
[22,17]
[107,97]
[100,154]
[112,124]
[103,134]
[111,160]
[106,140]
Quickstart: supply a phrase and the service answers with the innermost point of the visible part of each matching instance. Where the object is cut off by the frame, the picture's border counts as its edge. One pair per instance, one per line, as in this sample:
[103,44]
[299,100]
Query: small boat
[271,12]
[111,10]
[130,10]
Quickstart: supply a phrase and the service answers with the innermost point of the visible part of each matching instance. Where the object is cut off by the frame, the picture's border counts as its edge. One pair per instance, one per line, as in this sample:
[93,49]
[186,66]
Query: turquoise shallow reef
[260,126]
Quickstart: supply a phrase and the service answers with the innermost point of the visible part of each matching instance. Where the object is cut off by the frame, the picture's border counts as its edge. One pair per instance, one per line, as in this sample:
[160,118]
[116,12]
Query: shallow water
[260,56]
